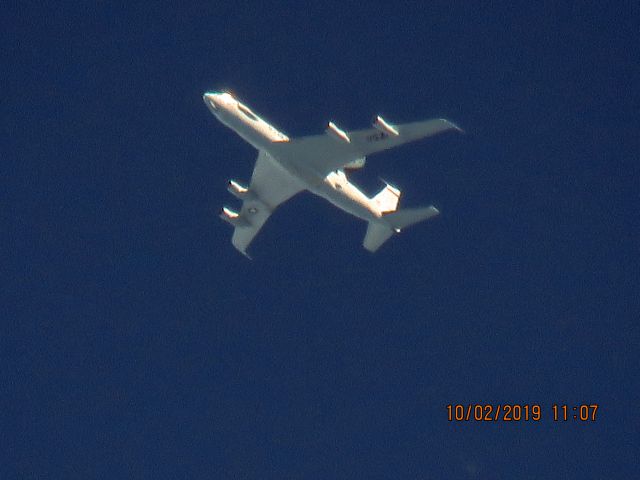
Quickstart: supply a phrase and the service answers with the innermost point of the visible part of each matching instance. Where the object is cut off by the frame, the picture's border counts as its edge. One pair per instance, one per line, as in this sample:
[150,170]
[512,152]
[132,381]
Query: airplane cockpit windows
[248,113]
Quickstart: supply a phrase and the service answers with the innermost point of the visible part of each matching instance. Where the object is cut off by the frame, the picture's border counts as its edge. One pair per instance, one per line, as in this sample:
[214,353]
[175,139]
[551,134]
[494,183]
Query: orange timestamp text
[519,412]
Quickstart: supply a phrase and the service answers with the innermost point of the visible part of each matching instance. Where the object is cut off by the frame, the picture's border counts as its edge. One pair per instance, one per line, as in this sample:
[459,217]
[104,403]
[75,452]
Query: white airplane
[317,163]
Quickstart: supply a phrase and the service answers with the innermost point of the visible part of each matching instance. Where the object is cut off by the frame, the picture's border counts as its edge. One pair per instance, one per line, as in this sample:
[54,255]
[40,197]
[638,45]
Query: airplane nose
[210,99]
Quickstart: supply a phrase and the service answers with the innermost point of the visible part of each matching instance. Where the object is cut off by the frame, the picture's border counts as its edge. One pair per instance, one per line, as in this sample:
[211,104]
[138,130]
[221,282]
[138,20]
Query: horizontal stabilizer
[405,218]
[377,234]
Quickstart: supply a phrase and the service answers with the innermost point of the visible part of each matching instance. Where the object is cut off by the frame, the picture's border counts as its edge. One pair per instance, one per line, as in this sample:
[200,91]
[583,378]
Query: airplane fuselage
[334,187]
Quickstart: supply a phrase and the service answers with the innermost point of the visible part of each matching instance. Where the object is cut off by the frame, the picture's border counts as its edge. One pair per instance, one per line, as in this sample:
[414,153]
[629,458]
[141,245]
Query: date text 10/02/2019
[520,412]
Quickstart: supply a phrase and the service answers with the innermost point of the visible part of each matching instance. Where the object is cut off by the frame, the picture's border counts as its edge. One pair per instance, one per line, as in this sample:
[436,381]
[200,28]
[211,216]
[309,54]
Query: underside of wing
[335,150]
[270,186]
[373,140]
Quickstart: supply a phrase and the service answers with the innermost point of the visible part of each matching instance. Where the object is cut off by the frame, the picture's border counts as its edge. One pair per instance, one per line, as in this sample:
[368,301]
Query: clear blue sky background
[137,343]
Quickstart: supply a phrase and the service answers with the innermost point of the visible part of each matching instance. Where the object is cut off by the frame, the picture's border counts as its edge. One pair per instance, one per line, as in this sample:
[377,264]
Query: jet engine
[237,190]
[341,135]
[232,217]
[382,125]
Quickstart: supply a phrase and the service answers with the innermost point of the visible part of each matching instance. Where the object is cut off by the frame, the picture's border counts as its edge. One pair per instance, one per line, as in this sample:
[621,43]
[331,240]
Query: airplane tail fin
[387,199]
[379,232]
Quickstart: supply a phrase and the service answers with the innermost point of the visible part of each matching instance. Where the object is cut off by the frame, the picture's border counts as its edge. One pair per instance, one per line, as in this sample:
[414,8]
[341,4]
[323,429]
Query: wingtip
[456,127]
[242,250]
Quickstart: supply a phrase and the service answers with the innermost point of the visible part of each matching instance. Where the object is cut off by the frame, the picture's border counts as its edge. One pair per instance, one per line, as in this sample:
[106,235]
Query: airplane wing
[325,153]
[270,186]
[372,140]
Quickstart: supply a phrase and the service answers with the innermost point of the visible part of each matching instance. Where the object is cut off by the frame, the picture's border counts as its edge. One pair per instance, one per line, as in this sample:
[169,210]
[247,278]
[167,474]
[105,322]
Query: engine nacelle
[355,164]
[237,190]
[332,129]
[232,217]
[383,126]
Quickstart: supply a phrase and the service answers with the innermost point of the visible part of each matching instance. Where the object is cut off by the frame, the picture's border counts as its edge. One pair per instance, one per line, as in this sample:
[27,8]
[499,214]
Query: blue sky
[137,343]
